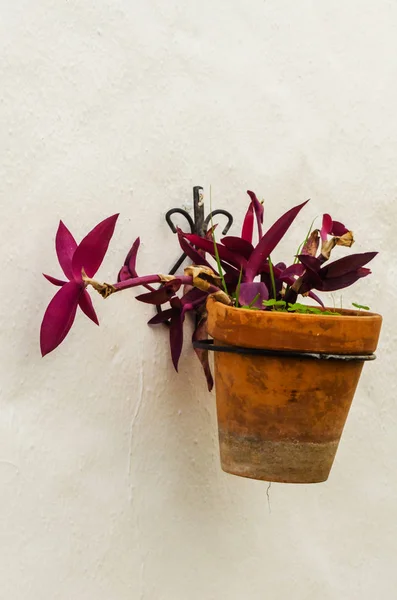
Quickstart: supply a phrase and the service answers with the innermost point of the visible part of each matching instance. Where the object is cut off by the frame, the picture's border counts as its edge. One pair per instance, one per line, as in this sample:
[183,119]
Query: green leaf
[309,310]
[273,302]
[359,306]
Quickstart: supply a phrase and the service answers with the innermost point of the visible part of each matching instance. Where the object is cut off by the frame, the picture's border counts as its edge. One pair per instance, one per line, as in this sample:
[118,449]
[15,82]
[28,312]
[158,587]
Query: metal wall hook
[198,225]
[220,211]
[182,212]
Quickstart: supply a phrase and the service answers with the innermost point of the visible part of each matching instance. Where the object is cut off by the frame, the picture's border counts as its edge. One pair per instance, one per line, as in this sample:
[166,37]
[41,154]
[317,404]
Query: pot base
[278,461]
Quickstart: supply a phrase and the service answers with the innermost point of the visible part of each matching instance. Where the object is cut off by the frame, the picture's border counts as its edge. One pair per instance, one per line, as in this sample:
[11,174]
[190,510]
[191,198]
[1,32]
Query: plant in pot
[285,372]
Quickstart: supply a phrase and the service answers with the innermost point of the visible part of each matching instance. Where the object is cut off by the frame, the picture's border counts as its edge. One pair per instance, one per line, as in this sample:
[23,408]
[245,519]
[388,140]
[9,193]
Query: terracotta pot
[280,418]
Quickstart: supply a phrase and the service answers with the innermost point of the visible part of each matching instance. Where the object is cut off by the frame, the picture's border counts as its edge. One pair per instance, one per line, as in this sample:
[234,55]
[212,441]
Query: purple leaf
[259,210]
[343,281]
[130,260]
[176,331]
[297,269]
[161,317]
[238,245]
[59,316]
[248,291]
[161,295]
[330,227]
[208,246]
[316,298]
[53,280]
[200,333]
[191,252]
[65,246]
[86,306]
[338,229]
[269,241]
[248,225]
[128,270]
[92,249]
[310,262]
[326,226]
[345,265]
[124,274]
[194,296]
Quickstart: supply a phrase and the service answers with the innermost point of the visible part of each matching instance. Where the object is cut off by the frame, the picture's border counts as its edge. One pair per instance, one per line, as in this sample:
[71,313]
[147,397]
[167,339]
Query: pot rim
[345,313]
[352,332]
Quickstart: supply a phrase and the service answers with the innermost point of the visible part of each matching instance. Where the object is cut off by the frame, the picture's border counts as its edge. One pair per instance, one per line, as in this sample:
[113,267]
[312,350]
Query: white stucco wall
[110,487]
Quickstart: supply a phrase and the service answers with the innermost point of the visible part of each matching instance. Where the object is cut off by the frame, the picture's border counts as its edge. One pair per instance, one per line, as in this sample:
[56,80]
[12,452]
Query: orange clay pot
[281,418]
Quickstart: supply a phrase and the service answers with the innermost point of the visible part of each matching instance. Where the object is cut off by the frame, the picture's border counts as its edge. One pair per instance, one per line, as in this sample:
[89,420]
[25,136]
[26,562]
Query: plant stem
[273,282]
[238,287]
[218,260]
[251,304]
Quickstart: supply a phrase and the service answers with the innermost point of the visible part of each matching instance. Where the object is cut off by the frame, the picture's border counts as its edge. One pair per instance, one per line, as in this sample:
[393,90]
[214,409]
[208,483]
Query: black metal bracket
[199,223]
[209,345]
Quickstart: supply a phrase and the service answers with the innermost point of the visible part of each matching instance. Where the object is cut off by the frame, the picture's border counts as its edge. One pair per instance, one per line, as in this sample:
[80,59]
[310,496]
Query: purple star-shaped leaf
[88,255]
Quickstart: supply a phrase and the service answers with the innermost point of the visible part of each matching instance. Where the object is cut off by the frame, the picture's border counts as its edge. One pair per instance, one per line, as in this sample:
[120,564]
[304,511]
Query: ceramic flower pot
[281,416]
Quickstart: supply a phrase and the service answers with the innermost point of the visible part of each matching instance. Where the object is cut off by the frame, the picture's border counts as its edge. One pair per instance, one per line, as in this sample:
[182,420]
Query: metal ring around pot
[209,345]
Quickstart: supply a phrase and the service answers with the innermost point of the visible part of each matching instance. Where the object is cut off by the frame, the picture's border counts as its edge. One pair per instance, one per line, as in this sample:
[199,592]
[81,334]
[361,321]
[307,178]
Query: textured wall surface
[110,487]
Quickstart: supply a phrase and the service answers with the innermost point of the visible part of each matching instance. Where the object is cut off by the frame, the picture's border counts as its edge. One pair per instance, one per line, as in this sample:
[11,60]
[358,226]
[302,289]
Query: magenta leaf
[208,246]
[198,259]
[91,251]
[195,257]
[162,295]
[338,228]
[310,262]
[176,331]
[252,290]
[269,241]
[65,246]
[314,296]
[194,296]
[330,227]
[200,333]
[130,261]
[54,280]
[124,274]
[87,307]
[59,316]
[259,210]
[342,281]
[326,226]
[161,317]
[248,225]
[128,270]
[297,269]
[238,245]
[345,265]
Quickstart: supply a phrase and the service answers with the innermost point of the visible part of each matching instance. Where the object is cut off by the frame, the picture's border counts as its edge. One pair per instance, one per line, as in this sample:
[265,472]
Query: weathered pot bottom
[278,461]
